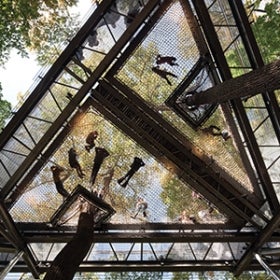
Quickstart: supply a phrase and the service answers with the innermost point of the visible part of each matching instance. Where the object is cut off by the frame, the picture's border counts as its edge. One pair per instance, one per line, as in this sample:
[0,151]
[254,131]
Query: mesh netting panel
[166,196]
[170,37]
[12,155]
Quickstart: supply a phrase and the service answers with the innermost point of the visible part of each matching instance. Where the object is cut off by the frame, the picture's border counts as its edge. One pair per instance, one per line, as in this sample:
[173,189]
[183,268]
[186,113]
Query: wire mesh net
[166,196]
[137,74]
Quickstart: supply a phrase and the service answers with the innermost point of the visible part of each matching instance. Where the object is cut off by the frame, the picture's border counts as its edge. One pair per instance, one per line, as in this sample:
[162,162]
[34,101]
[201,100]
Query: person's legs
[61,190]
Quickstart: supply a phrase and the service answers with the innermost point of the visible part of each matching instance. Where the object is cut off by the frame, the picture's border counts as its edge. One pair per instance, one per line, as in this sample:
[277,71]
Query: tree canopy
[24,23]
[267,30]
[5,109]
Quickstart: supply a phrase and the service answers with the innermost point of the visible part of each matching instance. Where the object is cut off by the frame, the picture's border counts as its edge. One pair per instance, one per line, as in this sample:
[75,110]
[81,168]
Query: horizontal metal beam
[76,100]
[143,237]
[19,242]
[110,266]
[53,72]
[41,233]
[257,244]
[29,227]
[219,57]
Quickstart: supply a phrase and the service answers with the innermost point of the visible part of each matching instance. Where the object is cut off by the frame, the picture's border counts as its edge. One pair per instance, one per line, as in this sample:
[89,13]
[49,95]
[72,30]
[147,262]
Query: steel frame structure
[249,226]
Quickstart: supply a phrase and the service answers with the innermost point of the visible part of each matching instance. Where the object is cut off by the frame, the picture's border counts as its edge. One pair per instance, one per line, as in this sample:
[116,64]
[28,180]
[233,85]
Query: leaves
[18,18]
[5,109]
[267,31]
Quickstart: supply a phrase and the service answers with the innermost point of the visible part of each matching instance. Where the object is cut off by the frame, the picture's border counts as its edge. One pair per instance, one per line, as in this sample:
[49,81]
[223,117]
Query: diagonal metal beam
[53,72]
[256,60]
[151,131]
[20,244]
[83,91]
[11,264]
[263,237]
[274,275]
[219,57]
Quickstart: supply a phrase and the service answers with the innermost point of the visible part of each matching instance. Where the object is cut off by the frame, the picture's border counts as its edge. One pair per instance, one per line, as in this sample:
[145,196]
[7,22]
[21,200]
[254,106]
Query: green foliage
[50,34]
[175,194]
[86,276]
[23,22]
[28,276]
[5,109]
[236,58]
[267,31]
[181,276]
[248,275]
[145,275]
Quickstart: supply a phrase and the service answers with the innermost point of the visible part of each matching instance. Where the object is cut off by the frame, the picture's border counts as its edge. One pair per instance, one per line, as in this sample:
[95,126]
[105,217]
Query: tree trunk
[68,260]
[255,82]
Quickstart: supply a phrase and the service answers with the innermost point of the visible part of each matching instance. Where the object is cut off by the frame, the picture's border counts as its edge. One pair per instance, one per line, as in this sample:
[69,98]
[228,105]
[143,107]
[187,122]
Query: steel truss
[249,227]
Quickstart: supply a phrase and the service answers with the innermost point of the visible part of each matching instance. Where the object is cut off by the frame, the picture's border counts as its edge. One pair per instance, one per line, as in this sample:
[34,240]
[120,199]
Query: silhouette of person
[92,39]
[130,16]
[192,219]
[216,131]
[58,180]
[136,164]
[141,206]
[110,18]
[100,155]
[133,9]
[74,163]
[205,215]
[171,60]
[212,129]
[79,54]
[225,134]
[69,96]
[163,74]
[183,218]
[99,193]
[90,140]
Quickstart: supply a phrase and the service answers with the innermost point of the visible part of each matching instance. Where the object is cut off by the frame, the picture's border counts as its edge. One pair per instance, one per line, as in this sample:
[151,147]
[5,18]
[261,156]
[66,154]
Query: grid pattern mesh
[165,194]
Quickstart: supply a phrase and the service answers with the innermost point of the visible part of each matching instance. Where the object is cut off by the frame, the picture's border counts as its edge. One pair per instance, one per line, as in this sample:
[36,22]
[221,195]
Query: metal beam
[53,72]
[11,264]
[140,237]
[263,237]
[217,52]
[154,232]
[274,275]
[167,266]
[263,79]
[76,100]
[20,244]
[256,60]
